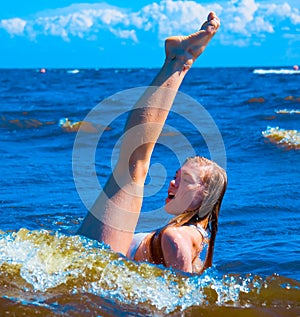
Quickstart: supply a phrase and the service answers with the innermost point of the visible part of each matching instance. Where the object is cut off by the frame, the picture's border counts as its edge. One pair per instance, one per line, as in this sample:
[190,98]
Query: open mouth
[171,195]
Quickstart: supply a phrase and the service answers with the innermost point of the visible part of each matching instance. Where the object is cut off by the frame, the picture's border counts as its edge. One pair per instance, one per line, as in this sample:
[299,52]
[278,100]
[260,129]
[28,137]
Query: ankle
[177,52]
[179,59]
[179,63]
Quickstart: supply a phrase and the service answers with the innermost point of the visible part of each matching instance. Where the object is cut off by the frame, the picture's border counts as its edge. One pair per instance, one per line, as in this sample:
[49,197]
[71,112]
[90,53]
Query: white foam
[73,71]
[276,71]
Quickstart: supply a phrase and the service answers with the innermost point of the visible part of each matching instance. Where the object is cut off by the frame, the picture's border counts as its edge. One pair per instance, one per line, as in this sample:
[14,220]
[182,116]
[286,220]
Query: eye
[188,179]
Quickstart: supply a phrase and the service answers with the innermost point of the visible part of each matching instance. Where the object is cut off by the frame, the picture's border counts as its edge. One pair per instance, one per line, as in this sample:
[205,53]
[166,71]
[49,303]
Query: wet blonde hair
[214,179]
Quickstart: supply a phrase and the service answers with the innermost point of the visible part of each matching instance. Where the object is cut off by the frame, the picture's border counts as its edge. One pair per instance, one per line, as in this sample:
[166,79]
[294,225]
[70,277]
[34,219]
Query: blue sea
[47,270]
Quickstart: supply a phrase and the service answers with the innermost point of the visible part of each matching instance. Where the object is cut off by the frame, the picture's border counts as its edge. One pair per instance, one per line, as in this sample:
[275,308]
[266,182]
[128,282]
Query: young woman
[194,196]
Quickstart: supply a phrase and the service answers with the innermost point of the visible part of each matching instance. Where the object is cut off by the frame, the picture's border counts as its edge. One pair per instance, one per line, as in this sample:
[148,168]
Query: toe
[211,16]
[212,23]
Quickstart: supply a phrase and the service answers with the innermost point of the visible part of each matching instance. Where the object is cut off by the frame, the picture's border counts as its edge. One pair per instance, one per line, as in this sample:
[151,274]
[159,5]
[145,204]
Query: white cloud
[82,23]
[295,17]
[243,21]
[13,26]
[179,17]
[259,25]
[125,34]
[279,10]
[246,22]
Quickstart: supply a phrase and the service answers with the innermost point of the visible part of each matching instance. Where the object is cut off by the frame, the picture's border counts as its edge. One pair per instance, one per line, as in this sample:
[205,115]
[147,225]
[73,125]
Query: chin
[166,208]
[171,210]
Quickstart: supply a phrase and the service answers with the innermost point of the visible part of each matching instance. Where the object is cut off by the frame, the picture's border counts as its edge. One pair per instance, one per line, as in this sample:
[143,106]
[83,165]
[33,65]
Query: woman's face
[185,191]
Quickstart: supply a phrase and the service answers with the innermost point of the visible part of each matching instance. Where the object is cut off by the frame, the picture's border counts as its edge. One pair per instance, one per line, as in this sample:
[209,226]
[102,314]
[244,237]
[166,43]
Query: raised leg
[115,213]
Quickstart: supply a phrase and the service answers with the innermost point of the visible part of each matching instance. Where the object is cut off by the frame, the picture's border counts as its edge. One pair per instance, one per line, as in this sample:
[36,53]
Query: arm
[178,248]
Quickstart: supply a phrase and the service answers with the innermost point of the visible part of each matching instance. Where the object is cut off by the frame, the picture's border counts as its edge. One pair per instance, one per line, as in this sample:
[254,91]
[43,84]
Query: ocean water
[45,269]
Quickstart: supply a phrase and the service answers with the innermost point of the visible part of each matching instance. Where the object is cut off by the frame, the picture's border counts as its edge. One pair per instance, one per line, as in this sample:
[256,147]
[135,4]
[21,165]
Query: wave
[27,123]
[84,126]
[73,71]
[276,71]
[288,139]
[42,270]
[65,124]
[287,111]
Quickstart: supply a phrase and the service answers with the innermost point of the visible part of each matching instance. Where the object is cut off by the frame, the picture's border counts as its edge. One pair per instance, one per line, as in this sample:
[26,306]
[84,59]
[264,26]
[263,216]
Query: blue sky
[118,33]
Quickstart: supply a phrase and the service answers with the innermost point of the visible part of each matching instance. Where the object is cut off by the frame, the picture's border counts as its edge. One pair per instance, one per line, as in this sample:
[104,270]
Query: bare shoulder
[177,233]
[180,247]
[181,236]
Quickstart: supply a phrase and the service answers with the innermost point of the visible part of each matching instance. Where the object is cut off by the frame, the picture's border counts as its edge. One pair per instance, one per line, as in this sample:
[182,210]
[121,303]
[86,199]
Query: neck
[200,221]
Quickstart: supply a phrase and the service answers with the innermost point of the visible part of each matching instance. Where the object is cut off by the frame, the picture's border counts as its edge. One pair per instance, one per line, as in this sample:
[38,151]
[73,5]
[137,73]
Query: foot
[186,49]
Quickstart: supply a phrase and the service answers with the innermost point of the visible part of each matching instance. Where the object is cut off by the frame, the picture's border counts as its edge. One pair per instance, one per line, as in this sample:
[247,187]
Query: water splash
[42,264]
[68,126]
[288,111]
[288,139]
[282,71]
